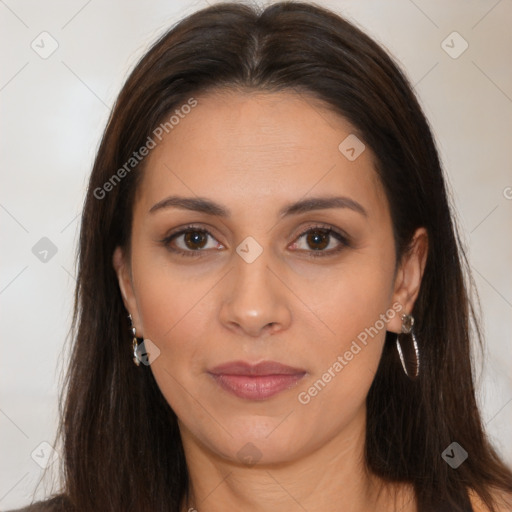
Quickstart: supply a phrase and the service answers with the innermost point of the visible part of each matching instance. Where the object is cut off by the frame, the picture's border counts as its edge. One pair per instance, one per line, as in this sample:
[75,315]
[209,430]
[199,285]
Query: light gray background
[54,111]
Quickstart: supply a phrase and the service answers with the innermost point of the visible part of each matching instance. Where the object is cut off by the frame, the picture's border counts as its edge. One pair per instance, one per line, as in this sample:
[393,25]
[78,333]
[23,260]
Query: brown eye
[195,239]
[321,241]
[191,241]
[318,239]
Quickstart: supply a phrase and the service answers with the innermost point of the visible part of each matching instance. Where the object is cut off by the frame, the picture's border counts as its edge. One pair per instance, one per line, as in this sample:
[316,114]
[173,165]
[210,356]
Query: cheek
[166,295]
[355,307]
[349,301]
[346,361]
[172,310]
[176,320]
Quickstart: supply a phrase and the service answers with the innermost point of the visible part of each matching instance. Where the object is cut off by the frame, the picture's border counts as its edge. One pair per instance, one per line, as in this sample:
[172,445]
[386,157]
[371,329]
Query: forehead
[259,147]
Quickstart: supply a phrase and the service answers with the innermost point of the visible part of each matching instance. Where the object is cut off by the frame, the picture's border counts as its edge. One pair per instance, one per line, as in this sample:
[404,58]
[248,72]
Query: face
[254,278]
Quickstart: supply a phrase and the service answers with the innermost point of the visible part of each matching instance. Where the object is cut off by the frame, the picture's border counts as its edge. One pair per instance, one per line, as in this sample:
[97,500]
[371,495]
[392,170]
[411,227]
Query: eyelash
[328,231]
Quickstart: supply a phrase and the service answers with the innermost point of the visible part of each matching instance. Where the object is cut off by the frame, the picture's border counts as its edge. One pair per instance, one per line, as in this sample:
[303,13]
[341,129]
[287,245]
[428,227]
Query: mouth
[256,382]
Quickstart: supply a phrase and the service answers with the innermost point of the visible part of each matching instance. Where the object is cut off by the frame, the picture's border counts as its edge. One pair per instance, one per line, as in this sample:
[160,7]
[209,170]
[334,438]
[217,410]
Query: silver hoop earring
[135,343]
[410,355]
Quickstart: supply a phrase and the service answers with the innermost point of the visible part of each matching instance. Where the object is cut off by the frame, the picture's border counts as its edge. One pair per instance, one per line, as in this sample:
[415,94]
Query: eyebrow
[203,205]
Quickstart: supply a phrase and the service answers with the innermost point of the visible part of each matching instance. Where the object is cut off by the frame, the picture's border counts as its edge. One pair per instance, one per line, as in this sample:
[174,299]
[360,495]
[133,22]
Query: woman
[268,210]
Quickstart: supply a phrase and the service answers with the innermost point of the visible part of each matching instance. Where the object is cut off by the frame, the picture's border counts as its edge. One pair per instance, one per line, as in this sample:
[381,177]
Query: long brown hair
[122,448]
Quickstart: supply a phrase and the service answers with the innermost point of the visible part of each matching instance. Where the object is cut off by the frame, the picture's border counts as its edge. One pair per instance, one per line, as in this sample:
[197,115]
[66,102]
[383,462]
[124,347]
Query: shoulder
[55,504]
[503,501]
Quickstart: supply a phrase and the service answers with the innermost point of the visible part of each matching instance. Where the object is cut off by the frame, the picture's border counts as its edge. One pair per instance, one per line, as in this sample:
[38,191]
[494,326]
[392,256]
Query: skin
[255,152]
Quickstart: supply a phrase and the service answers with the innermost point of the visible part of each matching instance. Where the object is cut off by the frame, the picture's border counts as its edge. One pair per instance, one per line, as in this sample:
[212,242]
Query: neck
[334,473]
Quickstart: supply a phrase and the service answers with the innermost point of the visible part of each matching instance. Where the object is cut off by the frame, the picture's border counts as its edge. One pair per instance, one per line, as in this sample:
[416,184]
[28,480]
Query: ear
[408,278]
[124,277]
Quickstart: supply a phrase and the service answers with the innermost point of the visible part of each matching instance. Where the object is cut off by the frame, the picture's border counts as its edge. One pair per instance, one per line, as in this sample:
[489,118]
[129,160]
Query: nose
[254,300]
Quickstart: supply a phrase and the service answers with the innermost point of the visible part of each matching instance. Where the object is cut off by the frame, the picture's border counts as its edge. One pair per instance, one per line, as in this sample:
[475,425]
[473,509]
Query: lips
[256,382]
[263,368]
